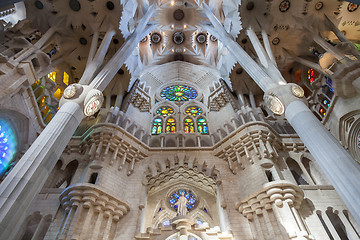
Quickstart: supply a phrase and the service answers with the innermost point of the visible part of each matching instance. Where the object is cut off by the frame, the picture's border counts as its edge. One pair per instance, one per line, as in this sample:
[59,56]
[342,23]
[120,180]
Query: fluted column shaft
[337,164]
[28,176]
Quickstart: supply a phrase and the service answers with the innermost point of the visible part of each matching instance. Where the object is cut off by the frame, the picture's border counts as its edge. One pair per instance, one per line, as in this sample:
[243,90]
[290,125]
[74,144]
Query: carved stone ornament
[274,104]
[297,91]
[70,91]
[93,102]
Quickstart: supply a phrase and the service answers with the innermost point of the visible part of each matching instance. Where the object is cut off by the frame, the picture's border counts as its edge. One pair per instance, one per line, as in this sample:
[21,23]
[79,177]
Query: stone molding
[184,175]
[273,192]
[93,196]
[256,140]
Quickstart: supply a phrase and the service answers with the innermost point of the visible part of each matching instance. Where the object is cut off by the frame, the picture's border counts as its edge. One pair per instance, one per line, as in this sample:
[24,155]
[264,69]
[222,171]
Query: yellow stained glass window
[189,125]
[171,125]
[66,78]
[52,76]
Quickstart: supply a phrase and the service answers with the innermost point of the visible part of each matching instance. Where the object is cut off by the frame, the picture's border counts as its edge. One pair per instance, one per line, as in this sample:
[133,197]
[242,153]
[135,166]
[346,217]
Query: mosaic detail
[284,6]
[201,38]
[165,111]
[352,7]
[213,38]
[188,195]
[178,93]
[319,6]
[276,41]
[193,111]
[155,38]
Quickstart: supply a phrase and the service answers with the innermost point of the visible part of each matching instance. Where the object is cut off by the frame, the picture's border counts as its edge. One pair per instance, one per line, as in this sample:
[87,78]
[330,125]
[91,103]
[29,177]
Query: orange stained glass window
[171,125]
[189,125]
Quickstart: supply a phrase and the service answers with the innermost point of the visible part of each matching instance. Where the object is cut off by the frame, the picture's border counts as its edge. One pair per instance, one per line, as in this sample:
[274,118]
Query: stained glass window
[312,75]
[189,125]
[202,126]
[170,125]
[178,93]
[157,126]
[165,111]
[7,145]
[188,195]
[329,83]
[193,111]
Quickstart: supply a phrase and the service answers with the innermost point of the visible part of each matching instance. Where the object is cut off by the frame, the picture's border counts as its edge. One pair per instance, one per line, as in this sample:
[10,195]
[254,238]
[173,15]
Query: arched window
[189,125]
[8,145]
[296,172]
[202,126]
[157,126]
[170,125]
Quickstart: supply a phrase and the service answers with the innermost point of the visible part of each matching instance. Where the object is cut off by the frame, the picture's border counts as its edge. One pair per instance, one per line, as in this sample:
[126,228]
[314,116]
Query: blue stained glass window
[202,126]
[329,83]
[157,126]
[178,93]
[188,195]
[8,145]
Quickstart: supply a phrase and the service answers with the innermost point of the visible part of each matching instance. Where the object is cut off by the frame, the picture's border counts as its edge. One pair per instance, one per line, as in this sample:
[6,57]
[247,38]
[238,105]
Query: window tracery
[180,93]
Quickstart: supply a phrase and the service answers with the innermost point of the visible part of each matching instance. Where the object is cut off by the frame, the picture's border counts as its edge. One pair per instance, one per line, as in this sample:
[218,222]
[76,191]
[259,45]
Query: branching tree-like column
[288,99]
[29,175]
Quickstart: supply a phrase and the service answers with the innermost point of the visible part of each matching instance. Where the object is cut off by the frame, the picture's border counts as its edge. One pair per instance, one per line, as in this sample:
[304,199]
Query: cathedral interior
[180,119]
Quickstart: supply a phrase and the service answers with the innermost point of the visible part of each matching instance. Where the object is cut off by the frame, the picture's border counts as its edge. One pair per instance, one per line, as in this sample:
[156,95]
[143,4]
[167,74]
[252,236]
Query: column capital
[278,99]
[89,99]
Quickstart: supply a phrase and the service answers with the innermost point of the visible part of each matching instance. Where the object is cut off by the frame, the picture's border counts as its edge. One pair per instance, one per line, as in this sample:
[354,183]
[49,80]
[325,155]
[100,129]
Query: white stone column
[87,220]
[29,175]
[337,164]
[351,234]
[39,229]
[110,69]
[223,218]
[261,78]
[341,169]
[330,226]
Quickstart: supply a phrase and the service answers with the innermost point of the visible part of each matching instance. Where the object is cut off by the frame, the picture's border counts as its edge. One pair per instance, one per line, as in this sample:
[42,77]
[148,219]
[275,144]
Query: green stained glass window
[202,126]
[165,111]
[189,125]
[157,126]
[193,111]
[178,93]
[170,125]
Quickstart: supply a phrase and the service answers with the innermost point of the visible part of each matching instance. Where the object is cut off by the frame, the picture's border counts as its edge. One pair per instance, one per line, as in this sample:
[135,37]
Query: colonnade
[338,165]
[27,178]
